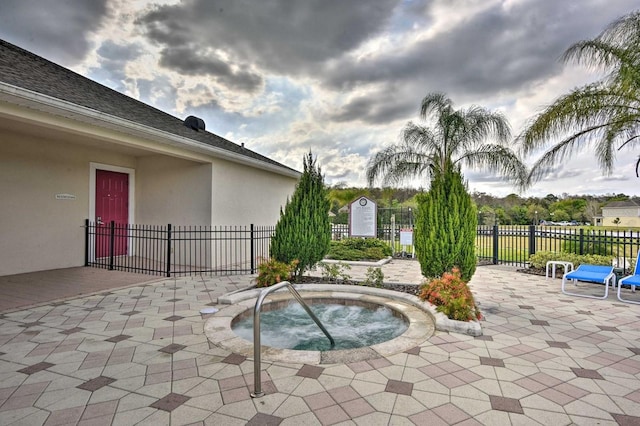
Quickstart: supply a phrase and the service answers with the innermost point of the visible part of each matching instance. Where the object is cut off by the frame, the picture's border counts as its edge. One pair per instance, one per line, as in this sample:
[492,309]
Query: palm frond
[453,136]
[496,159]
[604,115]
[396,163]
[435,103]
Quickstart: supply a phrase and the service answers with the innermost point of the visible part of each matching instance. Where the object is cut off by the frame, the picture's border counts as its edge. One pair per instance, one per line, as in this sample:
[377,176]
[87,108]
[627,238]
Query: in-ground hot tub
[419,323]
[352,323]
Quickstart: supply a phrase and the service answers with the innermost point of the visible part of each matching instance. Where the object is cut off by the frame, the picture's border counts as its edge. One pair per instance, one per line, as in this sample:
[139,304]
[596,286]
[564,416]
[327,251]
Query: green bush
[272,272]
[374,277]
[446,226]
[335,271]
[304,230]
[355,249]
[451,295]
[540,259]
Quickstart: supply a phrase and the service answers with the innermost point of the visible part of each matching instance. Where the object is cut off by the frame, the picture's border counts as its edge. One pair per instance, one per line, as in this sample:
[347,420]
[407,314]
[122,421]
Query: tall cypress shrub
[446,223]
[304,230]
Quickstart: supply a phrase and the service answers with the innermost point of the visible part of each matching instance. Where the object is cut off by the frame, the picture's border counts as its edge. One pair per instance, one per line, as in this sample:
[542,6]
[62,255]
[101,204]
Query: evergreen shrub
[303,232]
[355,249]
[445,226]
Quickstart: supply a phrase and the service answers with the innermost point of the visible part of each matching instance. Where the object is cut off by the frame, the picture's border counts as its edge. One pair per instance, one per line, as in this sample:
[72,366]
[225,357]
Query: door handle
[99,220]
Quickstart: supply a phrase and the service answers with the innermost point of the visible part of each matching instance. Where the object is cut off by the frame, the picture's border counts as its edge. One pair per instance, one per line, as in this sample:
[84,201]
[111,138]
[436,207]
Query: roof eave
[29,98]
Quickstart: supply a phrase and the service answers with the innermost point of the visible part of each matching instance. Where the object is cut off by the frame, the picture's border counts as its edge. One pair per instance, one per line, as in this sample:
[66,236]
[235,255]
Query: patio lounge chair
[632,281]
[592,274]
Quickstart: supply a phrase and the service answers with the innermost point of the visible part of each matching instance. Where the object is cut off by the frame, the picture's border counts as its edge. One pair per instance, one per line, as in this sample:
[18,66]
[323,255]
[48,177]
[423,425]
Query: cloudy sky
[338,77]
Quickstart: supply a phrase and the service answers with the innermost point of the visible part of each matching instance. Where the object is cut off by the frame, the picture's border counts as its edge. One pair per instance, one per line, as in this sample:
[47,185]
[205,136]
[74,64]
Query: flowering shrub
[451,295]
[272,272]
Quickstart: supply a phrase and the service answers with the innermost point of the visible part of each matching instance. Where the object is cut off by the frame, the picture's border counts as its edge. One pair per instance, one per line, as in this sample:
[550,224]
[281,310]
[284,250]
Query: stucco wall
[41,232]
[243,195]
[624,221]
[171,190]
[38,231]
[629,216]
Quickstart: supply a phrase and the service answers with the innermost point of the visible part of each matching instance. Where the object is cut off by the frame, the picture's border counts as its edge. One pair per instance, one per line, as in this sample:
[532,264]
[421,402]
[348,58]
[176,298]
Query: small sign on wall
[65,197]
[363,214]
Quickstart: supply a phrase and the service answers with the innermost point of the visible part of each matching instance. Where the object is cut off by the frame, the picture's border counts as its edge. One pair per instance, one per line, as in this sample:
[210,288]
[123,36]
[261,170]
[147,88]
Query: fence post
[252,250]
[495,244]
[86,242]
[581,242]
[393,235]
[112,241]
[168,250]
[532,239]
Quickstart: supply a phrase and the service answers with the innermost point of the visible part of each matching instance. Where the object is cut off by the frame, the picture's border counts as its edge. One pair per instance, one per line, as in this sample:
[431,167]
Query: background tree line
[510,210]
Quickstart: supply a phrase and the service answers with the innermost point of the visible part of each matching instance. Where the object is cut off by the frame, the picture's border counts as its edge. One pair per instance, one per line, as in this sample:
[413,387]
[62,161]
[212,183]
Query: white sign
[406,236]
[363,215]
[65,197]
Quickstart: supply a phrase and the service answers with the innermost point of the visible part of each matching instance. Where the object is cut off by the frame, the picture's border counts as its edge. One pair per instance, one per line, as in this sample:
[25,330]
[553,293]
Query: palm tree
[451,139]
[604,114]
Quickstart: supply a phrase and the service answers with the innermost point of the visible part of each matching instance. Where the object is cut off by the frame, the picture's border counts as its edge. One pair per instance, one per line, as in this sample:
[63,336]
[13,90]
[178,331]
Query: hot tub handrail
[257,348]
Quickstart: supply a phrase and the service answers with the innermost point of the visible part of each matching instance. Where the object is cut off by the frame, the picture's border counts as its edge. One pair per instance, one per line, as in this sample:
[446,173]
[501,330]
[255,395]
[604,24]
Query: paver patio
[138,355]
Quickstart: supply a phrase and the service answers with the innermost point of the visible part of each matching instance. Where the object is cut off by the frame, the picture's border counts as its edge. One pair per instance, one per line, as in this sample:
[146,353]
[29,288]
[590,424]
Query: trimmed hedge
[540,259]
[355,249]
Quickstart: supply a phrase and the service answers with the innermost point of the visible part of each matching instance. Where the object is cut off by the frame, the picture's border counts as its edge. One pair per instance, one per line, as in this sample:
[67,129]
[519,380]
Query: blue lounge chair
[592,274]
[632,281]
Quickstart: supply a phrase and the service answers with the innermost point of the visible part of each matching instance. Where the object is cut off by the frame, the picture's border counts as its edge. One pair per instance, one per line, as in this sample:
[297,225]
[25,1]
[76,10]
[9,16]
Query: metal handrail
[257,348]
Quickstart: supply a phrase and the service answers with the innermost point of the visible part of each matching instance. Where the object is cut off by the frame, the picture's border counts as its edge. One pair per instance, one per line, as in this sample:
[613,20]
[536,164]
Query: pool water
[350,326]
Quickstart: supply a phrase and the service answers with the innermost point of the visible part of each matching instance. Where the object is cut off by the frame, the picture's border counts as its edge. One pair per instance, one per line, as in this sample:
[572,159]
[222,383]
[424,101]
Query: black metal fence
[176,250]
[228,250]
[513,245]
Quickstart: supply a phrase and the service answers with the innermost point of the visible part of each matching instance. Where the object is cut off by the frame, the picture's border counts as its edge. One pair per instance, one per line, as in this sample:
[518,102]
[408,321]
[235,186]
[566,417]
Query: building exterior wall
[624,221]
[629,216]
[172,190]
[243,195]
[39,231]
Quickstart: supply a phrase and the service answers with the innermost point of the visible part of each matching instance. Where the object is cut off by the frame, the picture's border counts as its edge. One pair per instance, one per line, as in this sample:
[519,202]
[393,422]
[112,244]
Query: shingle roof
[621,204]
[24,69]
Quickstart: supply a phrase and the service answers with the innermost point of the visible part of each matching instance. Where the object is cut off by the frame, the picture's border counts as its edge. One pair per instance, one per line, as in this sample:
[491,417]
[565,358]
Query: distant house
[72,149]
[627,213]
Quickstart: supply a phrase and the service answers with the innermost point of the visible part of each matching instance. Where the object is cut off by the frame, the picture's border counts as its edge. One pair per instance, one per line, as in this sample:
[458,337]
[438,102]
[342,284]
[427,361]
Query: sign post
[406,239]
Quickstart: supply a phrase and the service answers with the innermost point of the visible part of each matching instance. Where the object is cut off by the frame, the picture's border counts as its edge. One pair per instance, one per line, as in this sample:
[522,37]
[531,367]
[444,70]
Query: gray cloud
[112,59]
[616,178]
[497,51]
[54,29]
[387,104]
[275,35]
[113,52]
[190,61]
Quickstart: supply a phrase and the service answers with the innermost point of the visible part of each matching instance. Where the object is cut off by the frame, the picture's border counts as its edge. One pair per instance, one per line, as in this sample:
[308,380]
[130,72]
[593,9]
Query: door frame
[92,200]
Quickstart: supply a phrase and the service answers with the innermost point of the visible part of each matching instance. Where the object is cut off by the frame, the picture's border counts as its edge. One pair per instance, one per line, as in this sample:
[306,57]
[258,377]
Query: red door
[112,204]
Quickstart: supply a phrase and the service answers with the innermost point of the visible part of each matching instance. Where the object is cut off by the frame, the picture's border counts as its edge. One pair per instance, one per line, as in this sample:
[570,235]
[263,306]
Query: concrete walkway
[35,288]
[138,355]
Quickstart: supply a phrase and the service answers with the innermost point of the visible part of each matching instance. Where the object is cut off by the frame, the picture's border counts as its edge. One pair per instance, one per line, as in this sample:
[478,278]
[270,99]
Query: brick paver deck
[138,355]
